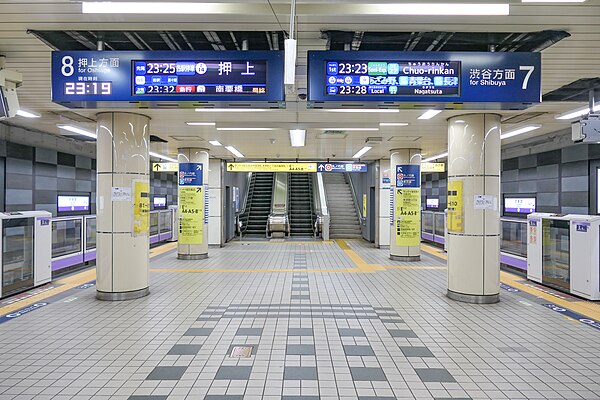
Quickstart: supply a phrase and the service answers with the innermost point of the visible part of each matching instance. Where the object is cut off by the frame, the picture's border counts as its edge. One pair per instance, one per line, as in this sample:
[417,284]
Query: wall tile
[18,181]
[66,159]
[510,176]
[66,185]
[575,184]
[578,168]
[15,150]
[18,197]
[19,166]
[528,161]
[65,172]
[548,185]
[44,169]
[574,199]
[46,183]
[574,153]
[510,164]
[83,185]
[45,155]
[549,157]
[83,162]
[527,174]
[547,171]
[547,199]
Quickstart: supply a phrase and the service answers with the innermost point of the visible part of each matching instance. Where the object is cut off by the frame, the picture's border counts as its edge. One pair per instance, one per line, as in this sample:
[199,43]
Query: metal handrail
[245,202]
[361,218]
[321,224]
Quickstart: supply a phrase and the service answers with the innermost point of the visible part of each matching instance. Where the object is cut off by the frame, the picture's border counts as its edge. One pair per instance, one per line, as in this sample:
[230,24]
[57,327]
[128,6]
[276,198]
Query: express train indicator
[392,78]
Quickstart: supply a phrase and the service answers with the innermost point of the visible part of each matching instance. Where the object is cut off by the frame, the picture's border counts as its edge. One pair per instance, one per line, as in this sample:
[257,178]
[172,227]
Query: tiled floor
[318,327]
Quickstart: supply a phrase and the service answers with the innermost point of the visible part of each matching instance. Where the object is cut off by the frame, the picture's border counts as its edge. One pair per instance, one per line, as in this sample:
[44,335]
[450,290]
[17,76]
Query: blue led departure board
[485,80]
[125,78]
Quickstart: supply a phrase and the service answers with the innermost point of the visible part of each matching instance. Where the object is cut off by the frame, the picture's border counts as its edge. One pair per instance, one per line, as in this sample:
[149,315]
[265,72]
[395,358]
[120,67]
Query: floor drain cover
[241,352]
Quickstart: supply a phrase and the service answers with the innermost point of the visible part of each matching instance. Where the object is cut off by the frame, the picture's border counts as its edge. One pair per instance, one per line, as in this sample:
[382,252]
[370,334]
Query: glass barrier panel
[555,254]
[153,223]
[17,254]
[513,238]
[90,233]
[66,237]
[439,223]
[165,221]
[427,222]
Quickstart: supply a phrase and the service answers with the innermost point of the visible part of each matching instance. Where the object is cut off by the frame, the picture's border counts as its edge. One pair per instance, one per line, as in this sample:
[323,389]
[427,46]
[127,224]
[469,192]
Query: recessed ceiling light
[234,151]
[519,131]
[349,129]
[231,109]
[429,114]
[363,110]
[552,1]
[393,123]
[432,158]
[362,152]
[215,142]
[580,112]
[439,9]
[297,137]
[78,130]
[161,7]
[161,156]
[245,129]
[201,123]
[27,114]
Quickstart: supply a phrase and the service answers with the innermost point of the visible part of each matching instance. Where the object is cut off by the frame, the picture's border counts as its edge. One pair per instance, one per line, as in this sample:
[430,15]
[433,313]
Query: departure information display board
[497,80]
[407,78]
[92,79]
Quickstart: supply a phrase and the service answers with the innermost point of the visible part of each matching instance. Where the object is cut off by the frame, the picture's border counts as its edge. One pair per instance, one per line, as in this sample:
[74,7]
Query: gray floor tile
[351,332]
[375,398]
[352,350]
[233,373]
[300,373]
[149,397]
[300,350]
[184,350]
[166,373]
[409,351]
[223,397]
[300,332]
[392,321]
[434,375]
[198,332]
[300,398]
[249,332]
[300,297]
[367,374]
[402,333]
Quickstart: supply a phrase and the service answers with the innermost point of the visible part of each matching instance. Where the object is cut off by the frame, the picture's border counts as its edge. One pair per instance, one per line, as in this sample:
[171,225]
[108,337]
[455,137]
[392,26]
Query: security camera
[302,94]
[333,155]
[9,82]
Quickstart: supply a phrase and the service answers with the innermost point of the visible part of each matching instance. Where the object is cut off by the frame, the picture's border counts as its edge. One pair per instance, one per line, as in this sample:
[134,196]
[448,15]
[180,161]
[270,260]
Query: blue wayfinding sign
[509,79]
[408,176]
[341,167]
[94,78]
[190,174]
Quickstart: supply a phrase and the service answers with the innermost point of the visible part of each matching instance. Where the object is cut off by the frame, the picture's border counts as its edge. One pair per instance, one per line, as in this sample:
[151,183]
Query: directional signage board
[271,167]
[428,167]
[165,167]
[341,167]
[408,176]
[190,174]
[503,79]
[91,79]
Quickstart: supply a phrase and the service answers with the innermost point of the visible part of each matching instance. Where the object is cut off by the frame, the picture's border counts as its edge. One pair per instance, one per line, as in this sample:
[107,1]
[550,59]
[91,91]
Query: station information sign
[459,77]
[81,78]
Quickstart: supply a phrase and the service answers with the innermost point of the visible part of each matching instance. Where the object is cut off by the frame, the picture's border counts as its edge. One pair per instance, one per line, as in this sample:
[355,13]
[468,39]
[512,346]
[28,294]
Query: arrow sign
[165,167]
[156,167]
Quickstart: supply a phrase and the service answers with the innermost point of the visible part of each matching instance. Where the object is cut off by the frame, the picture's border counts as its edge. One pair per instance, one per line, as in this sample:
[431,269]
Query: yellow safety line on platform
[71,282]
[361,264]
[284,242]
[587,308]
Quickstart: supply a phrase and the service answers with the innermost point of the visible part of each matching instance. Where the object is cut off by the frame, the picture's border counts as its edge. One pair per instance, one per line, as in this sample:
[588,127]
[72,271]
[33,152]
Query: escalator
[258,207]
[300,205]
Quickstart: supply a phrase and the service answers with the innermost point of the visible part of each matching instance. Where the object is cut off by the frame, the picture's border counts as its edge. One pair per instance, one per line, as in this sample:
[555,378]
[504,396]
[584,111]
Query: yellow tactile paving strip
[587,308]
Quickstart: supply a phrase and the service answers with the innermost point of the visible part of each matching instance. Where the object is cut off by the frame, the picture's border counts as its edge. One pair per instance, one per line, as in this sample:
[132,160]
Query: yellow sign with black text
[165,167]
[455,206]
[191,213]
[364,210]
[141,207]
[408,216]
[432,167]
[271,167]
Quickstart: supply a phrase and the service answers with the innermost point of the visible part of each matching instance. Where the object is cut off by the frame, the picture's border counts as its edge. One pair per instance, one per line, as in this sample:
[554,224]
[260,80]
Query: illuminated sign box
[432,167]
[75,204]
[519,205]
[91,79]
[502,79]
[159,202]
[432,203]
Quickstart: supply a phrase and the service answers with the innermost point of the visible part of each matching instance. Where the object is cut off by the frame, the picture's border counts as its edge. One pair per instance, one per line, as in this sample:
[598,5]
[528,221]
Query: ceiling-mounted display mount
[161,79]
[451,80]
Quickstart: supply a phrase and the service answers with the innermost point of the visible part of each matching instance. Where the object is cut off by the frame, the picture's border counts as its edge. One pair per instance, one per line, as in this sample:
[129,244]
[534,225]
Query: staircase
[300,204]
[344,223]
[260,193]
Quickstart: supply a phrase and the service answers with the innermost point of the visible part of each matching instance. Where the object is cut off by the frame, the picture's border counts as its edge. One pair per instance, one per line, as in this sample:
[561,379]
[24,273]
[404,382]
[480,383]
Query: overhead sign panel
[341,167]
[165,167]
[92,78]
[432,167]
[271,167]
[416,77]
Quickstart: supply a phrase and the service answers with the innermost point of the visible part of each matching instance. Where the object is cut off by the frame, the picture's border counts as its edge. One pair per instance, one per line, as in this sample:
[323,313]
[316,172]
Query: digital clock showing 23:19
[88,88]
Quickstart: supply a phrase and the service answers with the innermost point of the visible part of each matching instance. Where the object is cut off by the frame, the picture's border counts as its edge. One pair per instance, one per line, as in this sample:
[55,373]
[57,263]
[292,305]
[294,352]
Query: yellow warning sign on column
[455,206]
[141,207]
[191,212]
[408,216]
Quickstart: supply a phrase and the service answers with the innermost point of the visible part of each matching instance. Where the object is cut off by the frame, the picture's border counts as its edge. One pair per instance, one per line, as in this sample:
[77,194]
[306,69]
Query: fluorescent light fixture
[432,158]
[363,110]
[552,1]
[161,156]
[429,114]
[580,112]
[439,9]
[519,131]
[245,129]
[289,70]
[27,114]
[349,129]
[230,109]
[201,123]
[78,130]
[393,124]
[215,142]
[161,7]
[234,151]
[297,137]
[361,152]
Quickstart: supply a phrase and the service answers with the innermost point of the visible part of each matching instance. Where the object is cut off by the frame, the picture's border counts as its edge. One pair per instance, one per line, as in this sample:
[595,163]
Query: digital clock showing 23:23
[88,88]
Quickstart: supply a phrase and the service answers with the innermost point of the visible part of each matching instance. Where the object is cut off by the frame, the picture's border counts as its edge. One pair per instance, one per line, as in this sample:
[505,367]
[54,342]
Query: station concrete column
[405,191]
[123,206]
[473,220]
[192,242]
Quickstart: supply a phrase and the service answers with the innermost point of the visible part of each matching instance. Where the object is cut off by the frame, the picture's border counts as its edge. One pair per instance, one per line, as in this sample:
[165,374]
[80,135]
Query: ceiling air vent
[374,140]
[332,132]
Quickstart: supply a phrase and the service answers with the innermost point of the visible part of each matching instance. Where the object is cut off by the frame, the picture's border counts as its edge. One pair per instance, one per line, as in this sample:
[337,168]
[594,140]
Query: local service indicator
[392,78]
[199,77]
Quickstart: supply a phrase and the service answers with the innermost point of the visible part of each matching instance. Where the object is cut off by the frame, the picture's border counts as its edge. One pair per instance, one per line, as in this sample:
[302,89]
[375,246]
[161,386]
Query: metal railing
[278,223]
[321,225]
